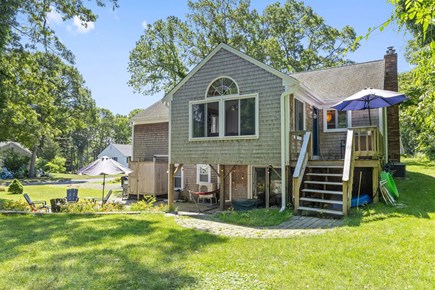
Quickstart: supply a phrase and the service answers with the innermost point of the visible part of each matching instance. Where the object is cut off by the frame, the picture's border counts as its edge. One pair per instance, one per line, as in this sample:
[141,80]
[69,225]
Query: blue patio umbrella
[369,98]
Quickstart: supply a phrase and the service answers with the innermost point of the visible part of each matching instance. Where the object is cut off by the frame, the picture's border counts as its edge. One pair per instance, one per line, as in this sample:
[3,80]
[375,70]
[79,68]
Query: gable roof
[10,144]
[125,149]
[285,78]
[334,84]
[156,113]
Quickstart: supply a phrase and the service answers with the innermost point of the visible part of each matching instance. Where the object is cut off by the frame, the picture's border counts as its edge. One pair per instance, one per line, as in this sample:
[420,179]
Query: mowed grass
[380,248]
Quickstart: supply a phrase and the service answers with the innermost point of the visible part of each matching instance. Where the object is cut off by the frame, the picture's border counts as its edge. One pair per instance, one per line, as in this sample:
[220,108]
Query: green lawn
[380,248]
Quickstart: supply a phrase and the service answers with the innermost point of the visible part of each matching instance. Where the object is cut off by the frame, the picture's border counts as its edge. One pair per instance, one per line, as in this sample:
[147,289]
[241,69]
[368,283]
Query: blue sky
[102,50]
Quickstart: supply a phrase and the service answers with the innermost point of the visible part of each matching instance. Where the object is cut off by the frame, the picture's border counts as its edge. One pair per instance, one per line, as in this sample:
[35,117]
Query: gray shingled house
[257,133]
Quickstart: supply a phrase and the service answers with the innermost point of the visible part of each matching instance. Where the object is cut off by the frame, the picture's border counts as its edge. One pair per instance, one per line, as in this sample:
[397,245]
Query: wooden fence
[148,178]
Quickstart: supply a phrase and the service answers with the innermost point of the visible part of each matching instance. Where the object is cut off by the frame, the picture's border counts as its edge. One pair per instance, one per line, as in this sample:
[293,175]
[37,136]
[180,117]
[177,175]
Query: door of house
[315,131]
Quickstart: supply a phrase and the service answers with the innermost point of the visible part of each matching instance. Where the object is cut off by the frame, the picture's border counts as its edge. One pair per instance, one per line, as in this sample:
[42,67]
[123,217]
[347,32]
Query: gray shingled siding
[150,140]
[250,79]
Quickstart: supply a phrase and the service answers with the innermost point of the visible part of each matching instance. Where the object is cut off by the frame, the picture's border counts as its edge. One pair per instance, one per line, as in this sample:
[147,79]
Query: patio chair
[105,199]
[72,195]
[36,205]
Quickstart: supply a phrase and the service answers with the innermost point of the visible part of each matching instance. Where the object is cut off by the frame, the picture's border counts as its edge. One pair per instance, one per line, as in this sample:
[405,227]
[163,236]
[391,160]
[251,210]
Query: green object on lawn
[390,184]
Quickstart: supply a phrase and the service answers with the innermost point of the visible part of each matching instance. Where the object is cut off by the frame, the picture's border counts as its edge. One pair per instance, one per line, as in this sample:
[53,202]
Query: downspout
[284,133]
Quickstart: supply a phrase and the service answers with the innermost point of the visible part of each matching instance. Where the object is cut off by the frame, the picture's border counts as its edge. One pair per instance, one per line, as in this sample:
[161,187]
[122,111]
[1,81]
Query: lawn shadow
[416,198]
[91,243]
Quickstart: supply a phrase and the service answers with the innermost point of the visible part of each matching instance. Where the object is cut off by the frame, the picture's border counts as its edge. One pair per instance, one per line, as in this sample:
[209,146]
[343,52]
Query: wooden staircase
[322,188]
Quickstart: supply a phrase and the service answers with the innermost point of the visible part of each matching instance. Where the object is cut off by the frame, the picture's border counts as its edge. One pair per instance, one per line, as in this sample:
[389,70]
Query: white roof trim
[286,79]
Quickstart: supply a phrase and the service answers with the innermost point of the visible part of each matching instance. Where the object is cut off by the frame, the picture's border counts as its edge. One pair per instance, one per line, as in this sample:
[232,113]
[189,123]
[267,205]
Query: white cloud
[144,25]
[54,17]
[82,28]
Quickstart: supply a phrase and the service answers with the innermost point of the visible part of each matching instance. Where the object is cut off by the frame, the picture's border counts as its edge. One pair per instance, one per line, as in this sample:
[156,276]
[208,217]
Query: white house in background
[119,152]
[8,146]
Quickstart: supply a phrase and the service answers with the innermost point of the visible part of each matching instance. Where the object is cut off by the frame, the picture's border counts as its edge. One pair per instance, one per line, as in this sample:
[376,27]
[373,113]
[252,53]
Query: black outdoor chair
[36,205]
[72,195]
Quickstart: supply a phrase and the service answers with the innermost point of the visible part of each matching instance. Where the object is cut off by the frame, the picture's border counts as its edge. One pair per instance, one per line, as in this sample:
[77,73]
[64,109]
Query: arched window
[222,87]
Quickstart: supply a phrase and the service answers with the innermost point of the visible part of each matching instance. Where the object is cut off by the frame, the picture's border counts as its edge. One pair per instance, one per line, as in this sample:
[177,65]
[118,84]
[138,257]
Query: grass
[257,217]
[381,247]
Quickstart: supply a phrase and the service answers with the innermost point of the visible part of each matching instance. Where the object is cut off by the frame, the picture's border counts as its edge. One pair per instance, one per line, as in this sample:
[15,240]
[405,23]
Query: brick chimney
[391,84]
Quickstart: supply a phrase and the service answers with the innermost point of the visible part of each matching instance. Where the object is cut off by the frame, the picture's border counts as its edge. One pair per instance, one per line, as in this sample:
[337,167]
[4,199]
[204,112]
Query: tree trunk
[33,162]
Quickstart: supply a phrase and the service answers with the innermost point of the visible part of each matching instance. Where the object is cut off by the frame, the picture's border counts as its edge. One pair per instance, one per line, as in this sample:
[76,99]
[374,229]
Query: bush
[6,174]
[88,206]
[16,187]
[56,165]
[19,205]
[144,205]
[15,162]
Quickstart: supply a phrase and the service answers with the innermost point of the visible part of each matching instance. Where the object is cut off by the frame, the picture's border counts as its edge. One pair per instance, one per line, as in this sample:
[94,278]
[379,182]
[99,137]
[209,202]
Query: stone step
[323,191]
[329,201]
[321,210]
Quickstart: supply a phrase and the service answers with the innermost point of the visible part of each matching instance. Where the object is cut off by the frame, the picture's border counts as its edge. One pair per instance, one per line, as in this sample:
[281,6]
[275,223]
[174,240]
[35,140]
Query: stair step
[323,191]
[325,174]
[321,200]
[320,210]
[325,166]
[323,182]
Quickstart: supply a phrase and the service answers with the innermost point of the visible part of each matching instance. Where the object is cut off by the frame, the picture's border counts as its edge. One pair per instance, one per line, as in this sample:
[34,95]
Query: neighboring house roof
[15,145]
[124,149]
[285,78]
[156,113]
[334,84]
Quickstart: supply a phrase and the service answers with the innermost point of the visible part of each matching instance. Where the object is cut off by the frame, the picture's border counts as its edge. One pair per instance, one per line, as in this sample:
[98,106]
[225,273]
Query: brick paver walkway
[295,226]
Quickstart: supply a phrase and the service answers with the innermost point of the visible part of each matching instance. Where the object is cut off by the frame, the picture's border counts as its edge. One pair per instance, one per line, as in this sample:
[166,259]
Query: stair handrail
[301,164]
[348,165]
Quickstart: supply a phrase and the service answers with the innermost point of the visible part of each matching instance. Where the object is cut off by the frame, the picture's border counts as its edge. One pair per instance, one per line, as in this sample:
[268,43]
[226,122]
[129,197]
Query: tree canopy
[290,37]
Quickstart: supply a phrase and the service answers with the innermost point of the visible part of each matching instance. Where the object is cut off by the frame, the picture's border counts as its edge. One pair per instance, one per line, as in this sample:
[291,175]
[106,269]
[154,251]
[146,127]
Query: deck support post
[375,181]
[222,187]
[171,186]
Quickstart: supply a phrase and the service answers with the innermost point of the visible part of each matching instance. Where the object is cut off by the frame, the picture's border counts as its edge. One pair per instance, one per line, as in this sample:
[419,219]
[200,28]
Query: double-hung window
[224,113]
[203,173]
[336,120]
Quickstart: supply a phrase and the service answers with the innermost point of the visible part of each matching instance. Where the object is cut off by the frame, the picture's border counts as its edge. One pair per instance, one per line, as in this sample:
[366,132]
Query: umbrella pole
[104,182]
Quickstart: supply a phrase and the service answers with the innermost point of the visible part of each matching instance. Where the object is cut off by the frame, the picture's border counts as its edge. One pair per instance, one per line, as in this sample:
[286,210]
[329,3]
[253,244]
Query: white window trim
[197,174]
[349,121]
[221,100]
[182,180]
[304,112]
[222,77]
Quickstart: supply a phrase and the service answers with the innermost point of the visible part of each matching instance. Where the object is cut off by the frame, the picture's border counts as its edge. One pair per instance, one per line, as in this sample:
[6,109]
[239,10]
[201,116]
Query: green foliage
[256,217]
[56,165]
[88,206]
[144,205]
[18,205]
[290,37]
[15,162]
[15,187]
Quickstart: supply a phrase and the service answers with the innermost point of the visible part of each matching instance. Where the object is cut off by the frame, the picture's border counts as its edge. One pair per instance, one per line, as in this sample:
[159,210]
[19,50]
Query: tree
[418,115]
[289,37]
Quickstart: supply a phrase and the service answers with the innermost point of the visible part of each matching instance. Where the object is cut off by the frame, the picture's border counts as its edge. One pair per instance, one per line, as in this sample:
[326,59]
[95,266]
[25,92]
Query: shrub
[144,205]
[56,165]
[15,162]
[15,187]
[6,174]
[20,205]
[88,206]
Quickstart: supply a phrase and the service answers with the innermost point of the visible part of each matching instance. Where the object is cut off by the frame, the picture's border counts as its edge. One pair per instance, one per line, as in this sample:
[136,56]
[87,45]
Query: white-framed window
[224,113]
[299,115]
[179,179]
[203,173]
[115,158]
[224,117]
[334,120]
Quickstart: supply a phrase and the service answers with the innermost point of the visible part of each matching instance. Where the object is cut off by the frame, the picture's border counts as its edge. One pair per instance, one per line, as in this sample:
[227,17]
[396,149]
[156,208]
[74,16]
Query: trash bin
[56,203]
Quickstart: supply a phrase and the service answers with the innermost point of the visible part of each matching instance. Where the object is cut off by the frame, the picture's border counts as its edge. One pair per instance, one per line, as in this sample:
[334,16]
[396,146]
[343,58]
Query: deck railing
[301,164]
[348,166]
[368,142]
[296,140]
